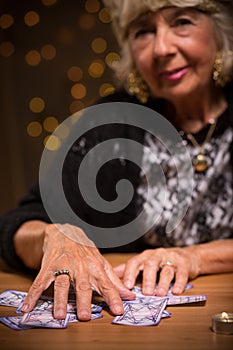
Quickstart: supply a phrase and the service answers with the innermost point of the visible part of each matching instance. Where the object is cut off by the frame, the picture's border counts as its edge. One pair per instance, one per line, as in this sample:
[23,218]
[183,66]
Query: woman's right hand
[87,269]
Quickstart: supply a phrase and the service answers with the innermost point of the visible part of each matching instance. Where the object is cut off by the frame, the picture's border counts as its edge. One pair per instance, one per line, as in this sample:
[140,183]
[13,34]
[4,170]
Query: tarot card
[43,320]
[74,318]
[14,322]
[141,313]
[12,298]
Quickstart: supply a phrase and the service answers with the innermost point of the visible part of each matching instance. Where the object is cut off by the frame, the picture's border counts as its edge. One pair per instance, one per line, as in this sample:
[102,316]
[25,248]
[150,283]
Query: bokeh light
[6,21]
[33,58]
[96,69]
[99,45]
[48,52]
[50,124]
[76,106]
[75,73]
[36,104]
[104,16]
[34,129]
[112,58]
[86,21]
[106,89]
[6,48]
[78,91]
[52,142]
[31,18]
[92,6]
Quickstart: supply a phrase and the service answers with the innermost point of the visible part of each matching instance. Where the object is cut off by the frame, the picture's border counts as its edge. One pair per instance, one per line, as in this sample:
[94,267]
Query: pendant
[200,163]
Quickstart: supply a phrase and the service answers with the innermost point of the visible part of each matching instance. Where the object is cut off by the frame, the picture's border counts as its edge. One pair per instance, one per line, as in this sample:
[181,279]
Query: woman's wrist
[28,242]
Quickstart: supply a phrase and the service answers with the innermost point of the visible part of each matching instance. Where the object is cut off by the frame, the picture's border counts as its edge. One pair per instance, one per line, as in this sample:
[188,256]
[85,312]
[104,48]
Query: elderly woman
[176,59]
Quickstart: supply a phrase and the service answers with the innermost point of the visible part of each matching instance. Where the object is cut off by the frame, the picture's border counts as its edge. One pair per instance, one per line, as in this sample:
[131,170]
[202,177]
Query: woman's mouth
[174,74]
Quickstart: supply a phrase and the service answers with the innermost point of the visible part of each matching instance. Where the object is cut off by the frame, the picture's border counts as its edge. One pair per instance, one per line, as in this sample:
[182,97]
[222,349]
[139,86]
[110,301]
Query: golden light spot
[62,132]
[75,73]
[6,48]
[75,117]
[78,91]
[36,104]
[31,18]
[52,142]
[48,52]
[33,58]
[76,106]
[48,2]
[92,6]
[66,36]
[104,16]
[96,69]
[106,89]
[99,45]
[6,21]
[50,124]
[86,21]
[34,129]
[112,58]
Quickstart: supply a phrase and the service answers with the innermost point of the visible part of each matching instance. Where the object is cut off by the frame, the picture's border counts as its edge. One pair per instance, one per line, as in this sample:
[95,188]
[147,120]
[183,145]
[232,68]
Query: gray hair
[123,12]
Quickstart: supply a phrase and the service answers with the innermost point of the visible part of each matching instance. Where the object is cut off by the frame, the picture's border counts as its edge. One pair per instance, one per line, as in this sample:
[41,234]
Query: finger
[124,292]
[166,276]
[83,299]
[110,293]
[112,298]
[61,291]
[149,278]
[119,270]
[132,269]
[180,282]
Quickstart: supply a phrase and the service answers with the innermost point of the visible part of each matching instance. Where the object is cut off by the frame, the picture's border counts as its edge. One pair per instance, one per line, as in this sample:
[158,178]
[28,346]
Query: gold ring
[167,263]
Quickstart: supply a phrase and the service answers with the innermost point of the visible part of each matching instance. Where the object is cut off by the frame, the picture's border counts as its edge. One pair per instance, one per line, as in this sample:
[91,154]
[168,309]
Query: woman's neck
[191,114]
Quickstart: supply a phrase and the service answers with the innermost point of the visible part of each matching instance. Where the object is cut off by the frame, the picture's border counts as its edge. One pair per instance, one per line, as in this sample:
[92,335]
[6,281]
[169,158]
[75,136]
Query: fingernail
[128,284]
[176,290]
[118,309]
[24,307]
[84,315]
[160,291]
[148,291]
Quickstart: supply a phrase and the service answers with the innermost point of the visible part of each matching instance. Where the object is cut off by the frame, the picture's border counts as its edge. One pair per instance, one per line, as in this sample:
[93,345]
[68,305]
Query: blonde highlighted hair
[123,12]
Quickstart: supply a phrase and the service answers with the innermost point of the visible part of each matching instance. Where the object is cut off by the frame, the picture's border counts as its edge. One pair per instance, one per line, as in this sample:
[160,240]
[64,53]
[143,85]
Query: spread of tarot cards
[142,311]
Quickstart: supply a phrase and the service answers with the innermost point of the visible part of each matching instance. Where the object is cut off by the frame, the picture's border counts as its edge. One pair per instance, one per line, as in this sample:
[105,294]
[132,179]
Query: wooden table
[188,328]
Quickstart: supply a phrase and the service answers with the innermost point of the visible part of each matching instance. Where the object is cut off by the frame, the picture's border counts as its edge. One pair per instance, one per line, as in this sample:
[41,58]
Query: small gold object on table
[223,323]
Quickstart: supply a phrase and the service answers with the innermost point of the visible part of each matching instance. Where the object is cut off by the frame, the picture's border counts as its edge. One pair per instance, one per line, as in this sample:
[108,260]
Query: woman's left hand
[180,264]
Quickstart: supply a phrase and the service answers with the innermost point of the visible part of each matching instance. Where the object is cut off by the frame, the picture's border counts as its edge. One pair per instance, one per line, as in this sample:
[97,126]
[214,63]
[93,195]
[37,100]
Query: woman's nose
[164,44]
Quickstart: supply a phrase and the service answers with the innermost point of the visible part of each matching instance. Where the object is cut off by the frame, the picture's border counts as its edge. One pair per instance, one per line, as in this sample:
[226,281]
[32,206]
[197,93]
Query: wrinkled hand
[183,265]
[87,268]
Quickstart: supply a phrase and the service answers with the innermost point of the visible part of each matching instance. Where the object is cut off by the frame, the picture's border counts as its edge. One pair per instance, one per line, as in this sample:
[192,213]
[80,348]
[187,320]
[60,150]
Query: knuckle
[83,286]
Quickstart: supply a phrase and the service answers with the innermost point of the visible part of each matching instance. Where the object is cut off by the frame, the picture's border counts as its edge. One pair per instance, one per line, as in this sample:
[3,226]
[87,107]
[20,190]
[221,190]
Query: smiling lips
[174,74]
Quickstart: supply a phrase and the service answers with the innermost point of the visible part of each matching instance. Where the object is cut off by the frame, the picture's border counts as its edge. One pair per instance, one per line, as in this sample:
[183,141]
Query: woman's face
[174,50]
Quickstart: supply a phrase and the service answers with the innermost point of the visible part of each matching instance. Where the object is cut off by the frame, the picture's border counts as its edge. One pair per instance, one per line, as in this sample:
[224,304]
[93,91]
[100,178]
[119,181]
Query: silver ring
[61,272]
[167,263]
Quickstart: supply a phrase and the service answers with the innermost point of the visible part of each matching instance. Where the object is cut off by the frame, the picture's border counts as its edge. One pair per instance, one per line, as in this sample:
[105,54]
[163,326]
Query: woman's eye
[182,22]
[142,32]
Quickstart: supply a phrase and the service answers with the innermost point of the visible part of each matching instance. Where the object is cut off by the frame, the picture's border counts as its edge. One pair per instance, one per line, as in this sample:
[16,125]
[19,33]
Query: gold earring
[137,86]
[218,74]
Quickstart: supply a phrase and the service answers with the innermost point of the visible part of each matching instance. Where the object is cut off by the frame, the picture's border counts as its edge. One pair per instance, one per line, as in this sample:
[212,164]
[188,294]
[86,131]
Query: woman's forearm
[28,242]
[215,256]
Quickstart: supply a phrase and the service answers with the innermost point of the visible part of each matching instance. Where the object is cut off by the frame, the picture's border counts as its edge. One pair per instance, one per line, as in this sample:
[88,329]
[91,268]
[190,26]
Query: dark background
[40,42]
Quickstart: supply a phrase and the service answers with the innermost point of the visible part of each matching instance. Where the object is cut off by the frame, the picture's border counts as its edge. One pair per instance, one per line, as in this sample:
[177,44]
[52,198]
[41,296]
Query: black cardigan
[31,207]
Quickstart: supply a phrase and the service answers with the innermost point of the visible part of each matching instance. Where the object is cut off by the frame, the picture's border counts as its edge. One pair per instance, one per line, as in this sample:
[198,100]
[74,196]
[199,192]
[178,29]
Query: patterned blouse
[209,215]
